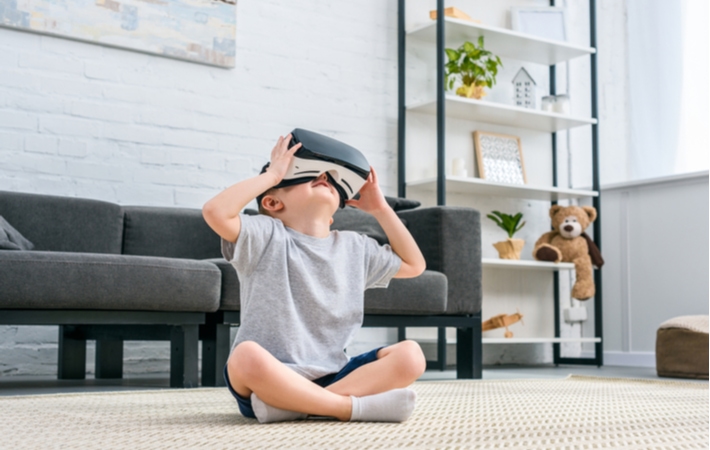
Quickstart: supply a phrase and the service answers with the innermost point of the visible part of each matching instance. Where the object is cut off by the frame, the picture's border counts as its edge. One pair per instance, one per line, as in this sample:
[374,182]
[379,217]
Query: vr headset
[346,168]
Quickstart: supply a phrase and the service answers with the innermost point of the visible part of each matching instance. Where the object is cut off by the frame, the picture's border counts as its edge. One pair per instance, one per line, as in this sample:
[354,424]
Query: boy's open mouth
[320,182]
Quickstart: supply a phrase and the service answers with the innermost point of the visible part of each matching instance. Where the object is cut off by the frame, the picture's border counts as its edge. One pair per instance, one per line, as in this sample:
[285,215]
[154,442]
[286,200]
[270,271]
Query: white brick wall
[83,120]
[91,121]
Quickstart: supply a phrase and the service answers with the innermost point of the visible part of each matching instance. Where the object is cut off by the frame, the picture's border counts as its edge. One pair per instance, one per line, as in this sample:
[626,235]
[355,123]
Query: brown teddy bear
[569,243]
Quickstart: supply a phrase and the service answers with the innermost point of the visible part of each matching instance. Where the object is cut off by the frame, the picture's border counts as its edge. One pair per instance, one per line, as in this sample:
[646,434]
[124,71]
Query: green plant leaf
[496,220]
[452,54]
[473,64]
[507,222]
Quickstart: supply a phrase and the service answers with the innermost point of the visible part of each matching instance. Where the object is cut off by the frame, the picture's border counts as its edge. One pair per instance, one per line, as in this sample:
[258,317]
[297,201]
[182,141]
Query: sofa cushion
[425,294]
[64,224]
[61,280]
[168,232]
[422,295]
[11,239]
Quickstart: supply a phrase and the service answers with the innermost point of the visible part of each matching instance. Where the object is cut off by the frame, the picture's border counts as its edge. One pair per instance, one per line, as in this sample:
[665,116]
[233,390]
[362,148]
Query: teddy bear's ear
[591,212]
[553,210]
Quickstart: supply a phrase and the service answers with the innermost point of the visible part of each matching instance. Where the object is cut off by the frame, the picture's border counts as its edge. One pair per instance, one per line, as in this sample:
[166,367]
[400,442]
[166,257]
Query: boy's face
[317,196]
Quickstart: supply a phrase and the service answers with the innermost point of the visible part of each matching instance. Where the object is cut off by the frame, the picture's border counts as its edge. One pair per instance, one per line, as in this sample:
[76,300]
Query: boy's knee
[246,360]
[414,361]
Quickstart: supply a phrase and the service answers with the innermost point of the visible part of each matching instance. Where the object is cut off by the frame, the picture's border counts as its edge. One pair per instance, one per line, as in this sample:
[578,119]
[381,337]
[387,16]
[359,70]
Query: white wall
[655,240]
[83,120]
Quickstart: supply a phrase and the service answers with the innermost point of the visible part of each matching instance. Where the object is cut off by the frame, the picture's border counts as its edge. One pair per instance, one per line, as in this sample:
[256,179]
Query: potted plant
[474,66]
[510,248]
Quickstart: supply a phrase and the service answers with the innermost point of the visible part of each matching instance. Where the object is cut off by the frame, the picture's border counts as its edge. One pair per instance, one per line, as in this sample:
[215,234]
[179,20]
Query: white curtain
[668,86]
[694,135]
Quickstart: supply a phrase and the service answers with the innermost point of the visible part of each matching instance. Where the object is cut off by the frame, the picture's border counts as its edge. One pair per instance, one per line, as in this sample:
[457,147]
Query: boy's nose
[323,176]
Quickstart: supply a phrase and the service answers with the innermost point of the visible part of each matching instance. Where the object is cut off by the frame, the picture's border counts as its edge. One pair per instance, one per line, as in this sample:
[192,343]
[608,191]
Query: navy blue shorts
[355,362]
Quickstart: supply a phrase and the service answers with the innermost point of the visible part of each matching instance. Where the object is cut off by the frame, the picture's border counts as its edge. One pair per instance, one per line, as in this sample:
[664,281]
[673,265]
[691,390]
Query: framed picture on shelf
[549,22]
[499,157]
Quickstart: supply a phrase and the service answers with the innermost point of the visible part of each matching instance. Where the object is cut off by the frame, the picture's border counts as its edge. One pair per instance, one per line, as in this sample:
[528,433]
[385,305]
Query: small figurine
[524,89]
[502,320]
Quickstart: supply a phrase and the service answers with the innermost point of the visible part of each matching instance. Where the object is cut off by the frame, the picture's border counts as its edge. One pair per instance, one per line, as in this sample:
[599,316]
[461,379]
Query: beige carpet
[572,413]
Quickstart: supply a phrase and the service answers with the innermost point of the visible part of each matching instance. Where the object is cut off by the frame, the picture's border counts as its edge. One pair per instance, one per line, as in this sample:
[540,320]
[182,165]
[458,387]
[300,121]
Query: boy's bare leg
[253,369]
[397,366]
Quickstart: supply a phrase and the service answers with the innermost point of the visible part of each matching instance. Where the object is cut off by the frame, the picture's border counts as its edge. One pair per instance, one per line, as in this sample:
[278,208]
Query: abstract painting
[201,31]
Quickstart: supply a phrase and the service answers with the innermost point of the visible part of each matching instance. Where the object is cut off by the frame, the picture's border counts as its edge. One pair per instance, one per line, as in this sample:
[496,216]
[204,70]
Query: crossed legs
[252,369]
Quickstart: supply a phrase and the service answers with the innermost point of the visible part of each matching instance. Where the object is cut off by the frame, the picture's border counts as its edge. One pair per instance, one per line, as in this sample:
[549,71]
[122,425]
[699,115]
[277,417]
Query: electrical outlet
[576,314]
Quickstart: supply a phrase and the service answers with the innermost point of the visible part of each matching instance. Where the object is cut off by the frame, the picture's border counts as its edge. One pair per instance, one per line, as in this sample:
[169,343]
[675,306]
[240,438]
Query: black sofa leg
[71,364]
[215,351]
[183,356]
[109,358]
[469,351]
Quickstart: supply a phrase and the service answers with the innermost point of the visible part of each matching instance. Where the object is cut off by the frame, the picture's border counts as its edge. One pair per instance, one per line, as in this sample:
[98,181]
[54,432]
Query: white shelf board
[551,340]
[525,264]
[502,41]
[502,114]
[477,186]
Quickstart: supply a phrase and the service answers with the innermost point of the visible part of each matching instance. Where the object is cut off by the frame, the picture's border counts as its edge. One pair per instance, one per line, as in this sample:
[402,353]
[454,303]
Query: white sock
[391,406]
[266,414]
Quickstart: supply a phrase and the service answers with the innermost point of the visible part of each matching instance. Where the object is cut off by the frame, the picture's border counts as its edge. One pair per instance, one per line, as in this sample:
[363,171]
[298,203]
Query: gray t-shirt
[302,296]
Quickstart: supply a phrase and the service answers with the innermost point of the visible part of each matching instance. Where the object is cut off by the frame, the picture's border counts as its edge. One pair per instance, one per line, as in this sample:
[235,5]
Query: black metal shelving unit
[598,359]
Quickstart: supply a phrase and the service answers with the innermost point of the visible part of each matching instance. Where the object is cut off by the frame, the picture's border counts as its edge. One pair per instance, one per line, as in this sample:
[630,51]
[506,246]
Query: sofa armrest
[450,239]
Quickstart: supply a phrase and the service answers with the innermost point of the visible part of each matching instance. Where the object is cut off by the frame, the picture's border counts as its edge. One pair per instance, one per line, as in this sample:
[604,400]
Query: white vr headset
[346,168]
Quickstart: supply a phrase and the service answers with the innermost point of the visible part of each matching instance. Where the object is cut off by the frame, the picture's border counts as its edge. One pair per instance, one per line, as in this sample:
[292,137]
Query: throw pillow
[402,204]
[11,239]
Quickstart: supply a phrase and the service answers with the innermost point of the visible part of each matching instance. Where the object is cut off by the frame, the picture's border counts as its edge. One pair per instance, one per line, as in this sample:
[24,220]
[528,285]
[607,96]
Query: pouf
[682,347]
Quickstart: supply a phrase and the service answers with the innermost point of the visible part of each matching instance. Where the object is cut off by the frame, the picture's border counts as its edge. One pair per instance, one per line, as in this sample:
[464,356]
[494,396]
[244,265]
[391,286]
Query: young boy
[302,291]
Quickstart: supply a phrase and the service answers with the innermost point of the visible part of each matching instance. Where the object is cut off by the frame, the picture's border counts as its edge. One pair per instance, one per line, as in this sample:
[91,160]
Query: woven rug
[572,413]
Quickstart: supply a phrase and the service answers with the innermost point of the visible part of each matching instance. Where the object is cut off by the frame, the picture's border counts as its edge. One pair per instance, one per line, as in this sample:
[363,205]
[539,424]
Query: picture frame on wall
[201,31]
[499,157]
[549,22]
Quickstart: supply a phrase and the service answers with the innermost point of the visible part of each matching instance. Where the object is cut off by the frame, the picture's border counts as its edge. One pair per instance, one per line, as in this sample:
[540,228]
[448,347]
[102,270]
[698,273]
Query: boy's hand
[281,157]
[371,198]
[373,201]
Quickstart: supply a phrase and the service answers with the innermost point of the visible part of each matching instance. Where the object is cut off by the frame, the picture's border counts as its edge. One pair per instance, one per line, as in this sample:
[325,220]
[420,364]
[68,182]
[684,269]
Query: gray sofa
[113,273]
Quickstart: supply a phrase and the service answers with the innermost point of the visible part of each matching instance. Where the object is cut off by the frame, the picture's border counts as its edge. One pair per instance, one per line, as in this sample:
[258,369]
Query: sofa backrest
[168,232]
[64,224]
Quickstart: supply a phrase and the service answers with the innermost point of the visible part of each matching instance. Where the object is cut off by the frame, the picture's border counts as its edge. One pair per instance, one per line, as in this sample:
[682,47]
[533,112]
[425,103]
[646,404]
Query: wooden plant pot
[510,248]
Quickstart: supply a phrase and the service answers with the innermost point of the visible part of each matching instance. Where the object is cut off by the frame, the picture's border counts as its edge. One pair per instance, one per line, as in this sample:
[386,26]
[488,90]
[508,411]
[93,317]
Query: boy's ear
[271,203]
[331,221]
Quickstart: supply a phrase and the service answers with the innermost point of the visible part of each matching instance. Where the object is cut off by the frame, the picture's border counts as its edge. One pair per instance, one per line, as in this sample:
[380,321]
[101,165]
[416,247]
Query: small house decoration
[524,89]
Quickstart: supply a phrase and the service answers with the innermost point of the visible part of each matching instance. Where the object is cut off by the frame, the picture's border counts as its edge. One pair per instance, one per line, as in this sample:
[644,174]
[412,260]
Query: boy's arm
[222,212]
[373,201]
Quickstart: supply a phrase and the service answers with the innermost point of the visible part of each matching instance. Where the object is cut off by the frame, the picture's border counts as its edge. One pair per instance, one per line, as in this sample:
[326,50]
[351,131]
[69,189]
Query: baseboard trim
[628,359]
